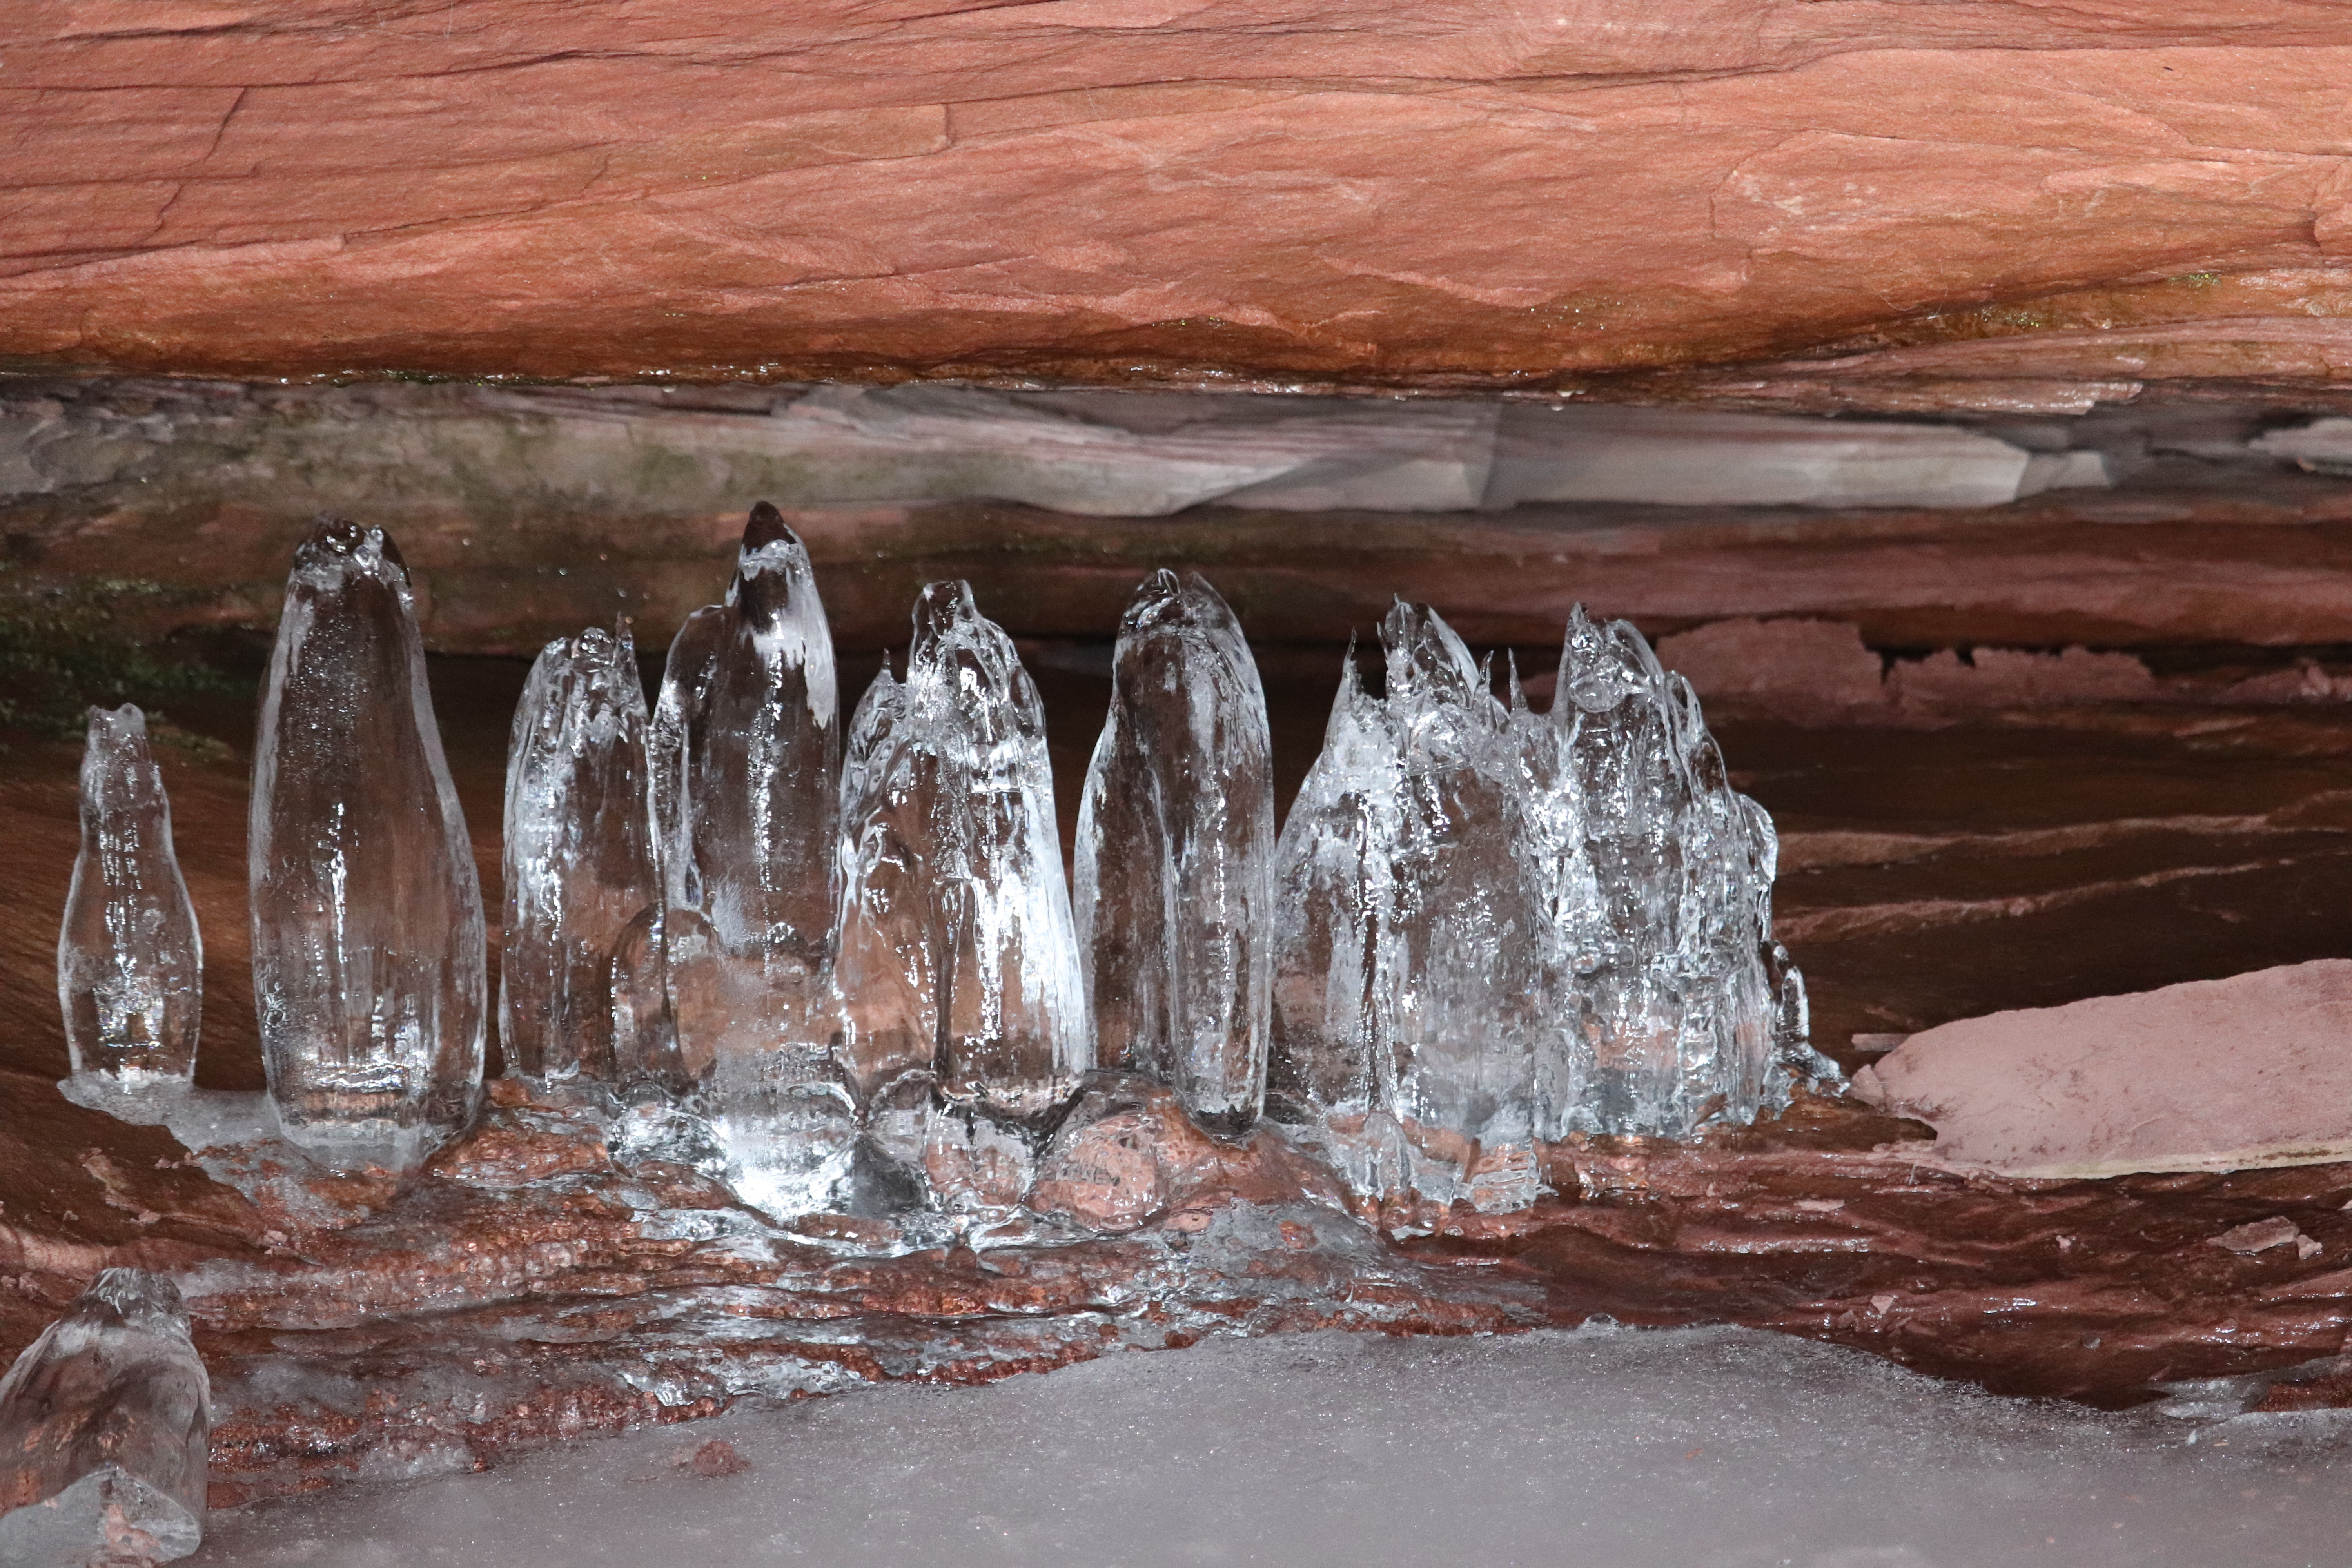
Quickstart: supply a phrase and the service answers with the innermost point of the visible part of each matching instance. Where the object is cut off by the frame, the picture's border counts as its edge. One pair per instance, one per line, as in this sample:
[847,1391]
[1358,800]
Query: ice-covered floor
[1618,1448]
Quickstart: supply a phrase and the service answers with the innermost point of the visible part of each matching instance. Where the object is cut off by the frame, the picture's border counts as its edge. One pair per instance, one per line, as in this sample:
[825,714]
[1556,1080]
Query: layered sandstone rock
[525,514]
[1986,204]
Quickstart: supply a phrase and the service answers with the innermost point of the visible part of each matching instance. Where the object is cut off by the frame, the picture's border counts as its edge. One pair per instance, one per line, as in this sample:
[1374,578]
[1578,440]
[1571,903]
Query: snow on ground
[1607,1447]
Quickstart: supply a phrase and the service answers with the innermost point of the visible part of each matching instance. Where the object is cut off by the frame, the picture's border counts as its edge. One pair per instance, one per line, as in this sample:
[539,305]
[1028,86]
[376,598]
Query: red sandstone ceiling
[1932,203]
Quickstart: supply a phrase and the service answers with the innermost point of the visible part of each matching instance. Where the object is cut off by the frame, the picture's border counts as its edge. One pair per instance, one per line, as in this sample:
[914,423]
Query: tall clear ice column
[580,863]
[747,757]
[1465,957]
[958,952]
[746,743]
[1619,734]
[1413,934]
[105,1428]
[1332,1070]
[130,959]
[368,942]
[1175,857]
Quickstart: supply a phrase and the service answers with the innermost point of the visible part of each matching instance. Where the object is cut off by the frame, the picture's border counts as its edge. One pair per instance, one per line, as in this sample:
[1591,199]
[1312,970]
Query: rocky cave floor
[534,1285]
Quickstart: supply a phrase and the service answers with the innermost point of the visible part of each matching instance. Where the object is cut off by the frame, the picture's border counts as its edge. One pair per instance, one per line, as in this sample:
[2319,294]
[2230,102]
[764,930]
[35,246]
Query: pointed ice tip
[938,609]
[115,726]
[1162,599]
[1427,655]
[339,538]
[136,1294]
[764,527]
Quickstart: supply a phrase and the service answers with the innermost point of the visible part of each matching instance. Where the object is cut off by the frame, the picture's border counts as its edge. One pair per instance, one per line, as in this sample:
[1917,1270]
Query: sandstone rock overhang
[1888,205]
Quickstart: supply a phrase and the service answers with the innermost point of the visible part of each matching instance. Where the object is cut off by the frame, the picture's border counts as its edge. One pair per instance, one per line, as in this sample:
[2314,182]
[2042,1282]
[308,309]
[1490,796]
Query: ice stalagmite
[958,965]
[1175,857]
[1333,1067]
[130,960]
[1619,734]
[580,863]
[368,957]
[1412,934]
[746,741]
[1682,1011]
[1467,949]
[105,1427]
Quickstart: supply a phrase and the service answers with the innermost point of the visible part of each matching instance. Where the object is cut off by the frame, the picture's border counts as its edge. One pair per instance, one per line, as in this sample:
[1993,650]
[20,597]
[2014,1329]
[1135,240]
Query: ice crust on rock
[105,1424]
[959,963]
[129,958]
[368,944]
[1174,881]
[582,876]
[1597,1447]
[747,745]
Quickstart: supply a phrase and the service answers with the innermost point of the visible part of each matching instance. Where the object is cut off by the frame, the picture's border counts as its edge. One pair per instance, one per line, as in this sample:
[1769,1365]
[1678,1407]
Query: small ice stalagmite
[747,742]
[1333,1065]
[1728,1056]
[130,960]
[1613,710]
[580,863]
[959,963]
[105,1429]
[1465,957]
[1175,857]
[751,705]
[1684,1011]
[368,944]
[1413,934]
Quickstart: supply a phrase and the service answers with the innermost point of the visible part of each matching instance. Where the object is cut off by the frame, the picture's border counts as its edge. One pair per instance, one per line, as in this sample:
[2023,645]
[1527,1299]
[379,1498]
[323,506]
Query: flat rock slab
[2215,1075]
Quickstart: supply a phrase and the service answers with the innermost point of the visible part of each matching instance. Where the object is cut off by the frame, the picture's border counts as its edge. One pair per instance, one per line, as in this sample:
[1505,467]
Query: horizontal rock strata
[1233,190]
[525,516]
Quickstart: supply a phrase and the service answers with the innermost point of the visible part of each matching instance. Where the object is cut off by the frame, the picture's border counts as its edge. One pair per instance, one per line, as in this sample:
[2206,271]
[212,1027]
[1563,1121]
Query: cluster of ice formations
[849,973]
[105,1432]
[130,960]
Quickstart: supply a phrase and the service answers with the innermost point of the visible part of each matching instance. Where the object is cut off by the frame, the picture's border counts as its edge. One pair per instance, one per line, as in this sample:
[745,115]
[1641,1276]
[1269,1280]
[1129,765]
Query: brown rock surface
[1239,189]
[2230,1074]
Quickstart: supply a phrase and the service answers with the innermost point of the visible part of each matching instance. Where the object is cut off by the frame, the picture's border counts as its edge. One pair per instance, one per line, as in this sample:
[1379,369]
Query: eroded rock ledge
[1887,204]
[537,1284]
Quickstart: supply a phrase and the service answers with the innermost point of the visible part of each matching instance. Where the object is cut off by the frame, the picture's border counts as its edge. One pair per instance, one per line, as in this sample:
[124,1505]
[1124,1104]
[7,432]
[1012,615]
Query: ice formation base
[538,1283]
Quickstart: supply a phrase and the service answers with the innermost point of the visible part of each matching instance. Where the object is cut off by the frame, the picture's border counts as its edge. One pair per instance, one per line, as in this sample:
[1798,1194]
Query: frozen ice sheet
[1618,1448]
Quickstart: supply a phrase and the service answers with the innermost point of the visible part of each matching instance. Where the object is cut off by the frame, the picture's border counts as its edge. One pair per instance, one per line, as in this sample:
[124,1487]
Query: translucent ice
[105,1424]
[368,945]
[1464,958]
[580,856]
[130,960]
[1411,933]
[747,741]
[1678,1011]
[1175,857]
[958,957]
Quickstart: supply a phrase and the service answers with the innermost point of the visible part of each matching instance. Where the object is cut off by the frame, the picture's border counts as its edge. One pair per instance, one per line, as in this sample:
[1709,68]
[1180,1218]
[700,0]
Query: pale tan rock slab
[2213,1075]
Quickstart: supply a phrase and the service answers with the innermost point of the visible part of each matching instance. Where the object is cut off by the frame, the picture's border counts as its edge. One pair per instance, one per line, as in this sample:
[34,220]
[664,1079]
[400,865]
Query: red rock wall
[1976,204]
